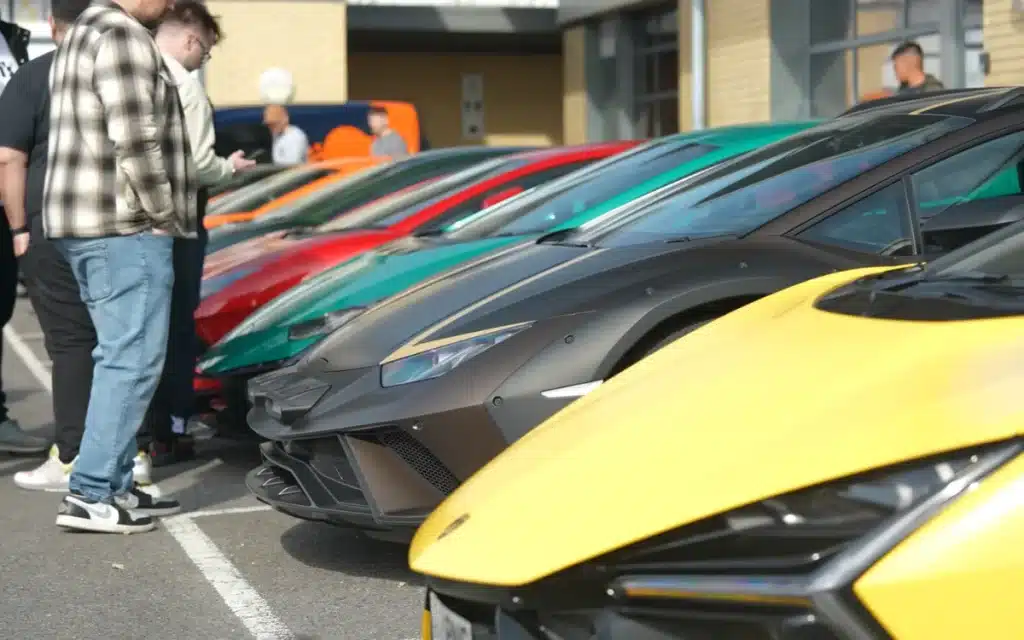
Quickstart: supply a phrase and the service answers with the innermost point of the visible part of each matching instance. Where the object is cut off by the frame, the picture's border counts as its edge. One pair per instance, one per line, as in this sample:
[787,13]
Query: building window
[656,52]
[852,40]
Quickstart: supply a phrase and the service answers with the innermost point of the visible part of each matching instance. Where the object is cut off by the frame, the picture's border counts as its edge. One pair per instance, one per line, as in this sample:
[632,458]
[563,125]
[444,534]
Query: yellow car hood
[771,398]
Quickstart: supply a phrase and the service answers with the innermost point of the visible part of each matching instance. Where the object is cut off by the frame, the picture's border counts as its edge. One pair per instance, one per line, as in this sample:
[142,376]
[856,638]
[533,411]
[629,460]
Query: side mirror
[502,195]
[962,223]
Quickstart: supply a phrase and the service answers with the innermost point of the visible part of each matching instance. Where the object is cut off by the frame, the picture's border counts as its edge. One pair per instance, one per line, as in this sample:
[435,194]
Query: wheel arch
[677,321]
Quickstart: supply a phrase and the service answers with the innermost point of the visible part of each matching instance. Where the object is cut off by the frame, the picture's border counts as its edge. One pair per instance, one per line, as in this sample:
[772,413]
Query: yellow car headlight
[801,551]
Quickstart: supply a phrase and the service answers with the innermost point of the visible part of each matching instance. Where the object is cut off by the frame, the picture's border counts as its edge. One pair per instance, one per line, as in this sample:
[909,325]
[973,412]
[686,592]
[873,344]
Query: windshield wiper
[678,239]
[299,232]
[429,233]
[556,237]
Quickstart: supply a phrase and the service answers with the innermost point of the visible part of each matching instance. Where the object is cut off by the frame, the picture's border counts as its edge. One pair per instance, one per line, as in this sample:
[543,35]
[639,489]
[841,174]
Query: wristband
[19,231]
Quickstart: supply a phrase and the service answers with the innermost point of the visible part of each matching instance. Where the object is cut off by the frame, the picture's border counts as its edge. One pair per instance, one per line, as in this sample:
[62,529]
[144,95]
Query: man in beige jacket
[186,37]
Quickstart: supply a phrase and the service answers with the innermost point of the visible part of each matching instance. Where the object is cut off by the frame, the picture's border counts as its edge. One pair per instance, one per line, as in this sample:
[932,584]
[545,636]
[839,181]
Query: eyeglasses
[207,54]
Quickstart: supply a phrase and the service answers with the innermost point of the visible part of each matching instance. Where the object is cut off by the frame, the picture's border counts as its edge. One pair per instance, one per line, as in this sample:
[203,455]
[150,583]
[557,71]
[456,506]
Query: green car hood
[263,339]
[360,282]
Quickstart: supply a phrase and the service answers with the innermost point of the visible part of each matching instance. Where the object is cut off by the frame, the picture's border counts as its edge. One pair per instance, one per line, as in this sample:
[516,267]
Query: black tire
[675,335]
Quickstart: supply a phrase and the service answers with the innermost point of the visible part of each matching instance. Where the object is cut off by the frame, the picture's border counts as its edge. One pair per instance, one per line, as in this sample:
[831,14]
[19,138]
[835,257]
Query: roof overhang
[508,17]
[570,11]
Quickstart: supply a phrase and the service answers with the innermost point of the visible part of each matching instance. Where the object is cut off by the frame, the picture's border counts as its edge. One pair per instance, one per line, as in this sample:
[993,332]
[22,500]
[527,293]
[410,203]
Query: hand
[20,244]
[239,161]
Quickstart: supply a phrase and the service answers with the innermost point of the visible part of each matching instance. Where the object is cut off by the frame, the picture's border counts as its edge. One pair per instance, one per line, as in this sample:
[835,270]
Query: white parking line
[244,601]
[228,512]
[35,366]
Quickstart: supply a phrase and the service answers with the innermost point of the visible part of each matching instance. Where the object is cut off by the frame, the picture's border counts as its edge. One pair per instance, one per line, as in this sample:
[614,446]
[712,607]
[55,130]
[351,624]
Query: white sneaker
[53,475]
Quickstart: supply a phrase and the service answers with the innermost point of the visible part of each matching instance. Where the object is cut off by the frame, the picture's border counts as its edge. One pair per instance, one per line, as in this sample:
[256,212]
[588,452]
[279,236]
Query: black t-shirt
[25,124]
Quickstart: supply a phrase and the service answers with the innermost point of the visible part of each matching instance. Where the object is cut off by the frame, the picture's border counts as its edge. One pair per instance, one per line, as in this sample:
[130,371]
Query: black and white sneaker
[82,514]
[142,503]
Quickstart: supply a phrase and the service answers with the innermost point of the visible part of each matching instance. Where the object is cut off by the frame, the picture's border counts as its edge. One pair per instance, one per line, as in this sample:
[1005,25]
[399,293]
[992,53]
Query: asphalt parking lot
[226,568]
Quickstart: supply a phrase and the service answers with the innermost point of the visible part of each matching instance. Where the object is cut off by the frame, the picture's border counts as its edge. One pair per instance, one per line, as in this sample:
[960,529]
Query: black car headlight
[318,327]
[802,550]
[432,362]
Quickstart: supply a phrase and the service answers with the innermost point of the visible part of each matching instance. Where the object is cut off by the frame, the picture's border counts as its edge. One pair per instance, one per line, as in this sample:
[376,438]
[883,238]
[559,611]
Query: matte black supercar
[401,404]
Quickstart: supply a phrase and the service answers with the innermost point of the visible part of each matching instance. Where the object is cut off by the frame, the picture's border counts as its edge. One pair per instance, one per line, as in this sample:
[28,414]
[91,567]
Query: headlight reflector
[323,325]
[439,361]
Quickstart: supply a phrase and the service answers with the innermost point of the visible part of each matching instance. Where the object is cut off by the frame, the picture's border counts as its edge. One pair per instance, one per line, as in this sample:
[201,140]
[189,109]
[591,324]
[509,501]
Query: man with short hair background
[120,186]
[186,37]
[386,141]
[908,65]
[291,145]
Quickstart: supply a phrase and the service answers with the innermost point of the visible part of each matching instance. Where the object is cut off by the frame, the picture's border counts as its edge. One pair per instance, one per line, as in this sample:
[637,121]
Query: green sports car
[297,319]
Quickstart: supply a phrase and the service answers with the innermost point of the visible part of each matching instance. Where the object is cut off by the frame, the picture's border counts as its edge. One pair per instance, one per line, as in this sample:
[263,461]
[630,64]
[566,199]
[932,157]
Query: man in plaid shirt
[120,186]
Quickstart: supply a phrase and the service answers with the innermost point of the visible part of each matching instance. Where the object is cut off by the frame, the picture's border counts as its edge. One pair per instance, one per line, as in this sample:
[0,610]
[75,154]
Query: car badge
[455,524]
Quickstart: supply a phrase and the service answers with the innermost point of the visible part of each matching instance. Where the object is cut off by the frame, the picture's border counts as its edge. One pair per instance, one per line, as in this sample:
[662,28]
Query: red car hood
[220,261]
[285,266]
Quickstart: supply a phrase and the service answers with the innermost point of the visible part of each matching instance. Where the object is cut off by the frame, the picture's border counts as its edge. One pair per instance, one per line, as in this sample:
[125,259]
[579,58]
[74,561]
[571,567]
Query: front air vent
[419,458]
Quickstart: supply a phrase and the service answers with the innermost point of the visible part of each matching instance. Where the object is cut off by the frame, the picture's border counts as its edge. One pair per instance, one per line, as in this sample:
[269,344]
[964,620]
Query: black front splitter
[292,486]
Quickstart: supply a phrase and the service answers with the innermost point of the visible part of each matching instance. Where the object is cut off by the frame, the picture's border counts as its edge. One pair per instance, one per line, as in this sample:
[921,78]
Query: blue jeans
[126,283]
[174,395]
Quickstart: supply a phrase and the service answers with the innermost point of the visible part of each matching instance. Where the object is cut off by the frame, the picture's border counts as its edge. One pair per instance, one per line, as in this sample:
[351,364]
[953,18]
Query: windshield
[998,254]
[266,190]
[384,213]
[325,196]
[739,196]
[561,200]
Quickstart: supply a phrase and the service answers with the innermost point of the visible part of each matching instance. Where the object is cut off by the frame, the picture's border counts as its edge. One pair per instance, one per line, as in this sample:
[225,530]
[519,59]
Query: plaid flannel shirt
[119,159]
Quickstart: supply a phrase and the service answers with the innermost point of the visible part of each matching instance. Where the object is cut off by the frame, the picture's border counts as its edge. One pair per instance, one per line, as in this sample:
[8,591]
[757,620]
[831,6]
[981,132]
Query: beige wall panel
[523,96]
[739,61]
[306,37]
[1004,40]
[574,81]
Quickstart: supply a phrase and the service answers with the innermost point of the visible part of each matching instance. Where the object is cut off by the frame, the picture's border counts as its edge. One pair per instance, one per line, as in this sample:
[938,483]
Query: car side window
[988,170]
[878,222]
[875,224]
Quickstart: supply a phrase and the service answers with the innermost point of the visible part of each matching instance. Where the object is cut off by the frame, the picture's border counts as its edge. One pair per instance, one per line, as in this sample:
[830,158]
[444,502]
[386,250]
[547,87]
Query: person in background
[68,332]
[13,53]
[186,37]
[386,142]
[120,186]
[291,146]
[908,65]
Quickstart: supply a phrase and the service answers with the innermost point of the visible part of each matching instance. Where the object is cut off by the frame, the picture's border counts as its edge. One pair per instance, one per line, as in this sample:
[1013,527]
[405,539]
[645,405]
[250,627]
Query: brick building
[578,70]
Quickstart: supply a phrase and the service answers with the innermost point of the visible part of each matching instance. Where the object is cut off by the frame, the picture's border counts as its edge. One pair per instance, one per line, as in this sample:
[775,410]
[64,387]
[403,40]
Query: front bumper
[403,449]
[382,475]
[491,621]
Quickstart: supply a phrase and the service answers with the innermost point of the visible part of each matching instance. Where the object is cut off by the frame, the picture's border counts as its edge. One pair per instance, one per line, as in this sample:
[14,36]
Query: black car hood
[522,283]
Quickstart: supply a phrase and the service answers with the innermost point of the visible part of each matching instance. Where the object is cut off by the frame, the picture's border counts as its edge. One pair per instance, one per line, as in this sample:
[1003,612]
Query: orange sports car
[286,187]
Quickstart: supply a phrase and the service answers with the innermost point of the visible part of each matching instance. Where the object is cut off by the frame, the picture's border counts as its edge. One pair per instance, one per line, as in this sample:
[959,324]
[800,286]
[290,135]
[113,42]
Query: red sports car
[242,278]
